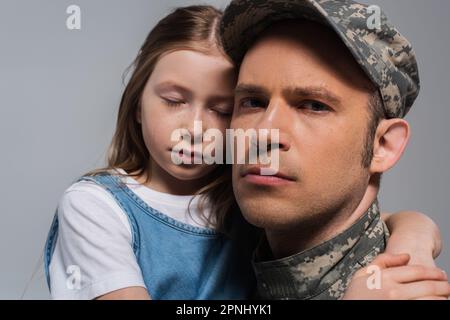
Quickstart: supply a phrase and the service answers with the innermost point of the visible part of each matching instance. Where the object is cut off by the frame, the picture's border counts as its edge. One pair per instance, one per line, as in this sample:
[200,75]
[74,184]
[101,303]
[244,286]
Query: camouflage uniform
[325,271]
[387,58]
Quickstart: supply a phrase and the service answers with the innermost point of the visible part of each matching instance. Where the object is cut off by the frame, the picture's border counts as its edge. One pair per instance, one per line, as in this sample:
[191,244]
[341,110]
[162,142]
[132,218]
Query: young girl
[144,227]
[126,226]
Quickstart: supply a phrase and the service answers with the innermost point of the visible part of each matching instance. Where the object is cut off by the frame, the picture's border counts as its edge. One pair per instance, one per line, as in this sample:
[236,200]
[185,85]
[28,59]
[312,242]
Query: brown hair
[376,114]
[193,28]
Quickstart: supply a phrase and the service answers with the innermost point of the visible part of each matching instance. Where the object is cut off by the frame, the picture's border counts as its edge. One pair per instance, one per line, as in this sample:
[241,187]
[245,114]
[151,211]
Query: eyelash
[221,113]
[172,103]
[243,101]
[322,105]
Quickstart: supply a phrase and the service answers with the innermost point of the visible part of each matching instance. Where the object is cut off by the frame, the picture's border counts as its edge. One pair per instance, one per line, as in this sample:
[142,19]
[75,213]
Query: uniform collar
[306,274]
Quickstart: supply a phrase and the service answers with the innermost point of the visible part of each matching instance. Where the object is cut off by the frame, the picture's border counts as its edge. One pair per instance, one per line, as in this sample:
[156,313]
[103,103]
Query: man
[337,90]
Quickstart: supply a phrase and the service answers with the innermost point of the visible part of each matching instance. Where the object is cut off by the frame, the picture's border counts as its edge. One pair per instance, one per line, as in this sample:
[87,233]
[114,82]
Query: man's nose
[275,117]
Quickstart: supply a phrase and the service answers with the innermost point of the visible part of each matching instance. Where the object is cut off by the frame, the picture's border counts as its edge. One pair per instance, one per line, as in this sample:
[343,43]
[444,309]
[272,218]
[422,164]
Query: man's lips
[253,175]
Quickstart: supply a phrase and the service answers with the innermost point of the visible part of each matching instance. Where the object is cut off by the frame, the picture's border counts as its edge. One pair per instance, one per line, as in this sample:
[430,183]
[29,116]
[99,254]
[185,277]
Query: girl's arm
[131,293]
[415,234]
[95,237]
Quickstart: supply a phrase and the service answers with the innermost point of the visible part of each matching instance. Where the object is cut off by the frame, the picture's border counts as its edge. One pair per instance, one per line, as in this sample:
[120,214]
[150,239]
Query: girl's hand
[398,281]
[130,293]
[413,233]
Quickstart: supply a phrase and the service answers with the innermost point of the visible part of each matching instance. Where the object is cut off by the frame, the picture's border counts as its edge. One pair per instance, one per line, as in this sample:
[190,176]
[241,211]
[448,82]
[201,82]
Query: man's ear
[391,139]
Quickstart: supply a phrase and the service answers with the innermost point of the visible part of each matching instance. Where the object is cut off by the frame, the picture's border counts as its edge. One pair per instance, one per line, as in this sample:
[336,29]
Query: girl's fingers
[387,260]
[407,274]
[421,289]
[384,261]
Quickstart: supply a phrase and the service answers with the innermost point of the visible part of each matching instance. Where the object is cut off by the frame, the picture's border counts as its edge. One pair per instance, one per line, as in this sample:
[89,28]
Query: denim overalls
[177,260]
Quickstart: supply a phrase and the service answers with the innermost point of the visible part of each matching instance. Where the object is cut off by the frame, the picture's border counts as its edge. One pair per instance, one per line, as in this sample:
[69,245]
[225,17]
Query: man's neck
[289,242]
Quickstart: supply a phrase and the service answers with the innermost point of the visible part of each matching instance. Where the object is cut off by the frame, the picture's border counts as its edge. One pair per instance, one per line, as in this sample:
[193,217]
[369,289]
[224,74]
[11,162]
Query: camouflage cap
[383,53]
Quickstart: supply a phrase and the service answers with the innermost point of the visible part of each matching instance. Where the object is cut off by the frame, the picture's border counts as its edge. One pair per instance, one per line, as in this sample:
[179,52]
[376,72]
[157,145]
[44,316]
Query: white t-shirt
[93,252]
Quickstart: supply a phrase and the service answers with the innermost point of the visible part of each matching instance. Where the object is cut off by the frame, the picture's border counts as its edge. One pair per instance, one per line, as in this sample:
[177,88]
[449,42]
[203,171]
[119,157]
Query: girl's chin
[191,172]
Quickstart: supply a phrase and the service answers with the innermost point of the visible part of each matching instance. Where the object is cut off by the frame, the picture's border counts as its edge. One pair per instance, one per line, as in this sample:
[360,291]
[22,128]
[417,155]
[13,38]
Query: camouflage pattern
[323,272]
[384,54]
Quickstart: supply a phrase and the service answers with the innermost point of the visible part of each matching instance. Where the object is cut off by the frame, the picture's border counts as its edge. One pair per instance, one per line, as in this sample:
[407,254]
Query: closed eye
[222,111]
[173,103]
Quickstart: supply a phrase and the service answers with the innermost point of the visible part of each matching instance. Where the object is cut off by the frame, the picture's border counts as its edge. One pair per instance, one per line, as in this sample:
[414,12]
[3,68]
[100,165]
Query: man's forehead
[284,55]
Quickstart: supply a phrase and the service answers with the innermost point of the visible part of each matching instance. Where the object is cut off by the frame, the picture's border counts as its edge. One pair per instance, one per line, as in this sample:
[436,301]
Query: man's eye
[314,106]
[251,103]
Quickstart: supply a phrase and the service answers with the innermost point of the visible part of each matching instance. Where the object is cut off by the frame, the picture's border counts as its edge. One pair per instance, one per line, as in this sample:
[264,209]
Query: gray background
[60,89]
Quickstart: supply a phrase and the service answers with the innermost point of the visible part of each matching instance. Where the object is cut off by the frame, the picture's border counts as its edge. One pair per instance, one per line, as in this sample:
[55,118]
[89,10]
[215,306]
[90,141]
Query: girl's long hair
[192,28]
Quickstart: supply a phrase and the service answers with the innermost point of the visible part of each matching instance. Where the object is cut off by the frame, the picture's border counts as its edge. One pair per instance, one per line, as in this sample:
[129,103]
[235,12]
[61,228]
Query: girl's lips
[191,156]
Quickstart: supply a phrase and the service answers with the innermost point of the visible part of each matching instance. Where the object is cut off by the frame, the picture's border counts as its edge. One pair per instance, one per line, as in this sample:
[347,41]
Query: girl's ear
[391,139]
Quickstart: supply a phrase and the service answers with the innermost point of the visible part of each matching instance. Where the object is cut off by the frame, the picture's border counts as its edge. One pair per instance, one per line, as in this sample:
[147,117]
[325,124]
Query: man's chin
[269,217]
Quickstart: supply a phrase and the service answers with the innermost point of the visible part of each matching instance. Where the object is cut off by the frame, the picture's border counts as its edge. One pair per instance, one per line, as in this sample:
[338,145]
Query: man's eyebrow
[314,92]
[317,92]
[250,89]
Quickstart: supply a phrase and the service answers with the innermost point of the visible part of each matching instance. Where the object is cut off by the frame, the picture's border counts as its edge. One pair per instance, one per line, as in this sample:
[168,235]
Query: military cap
[383,53]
